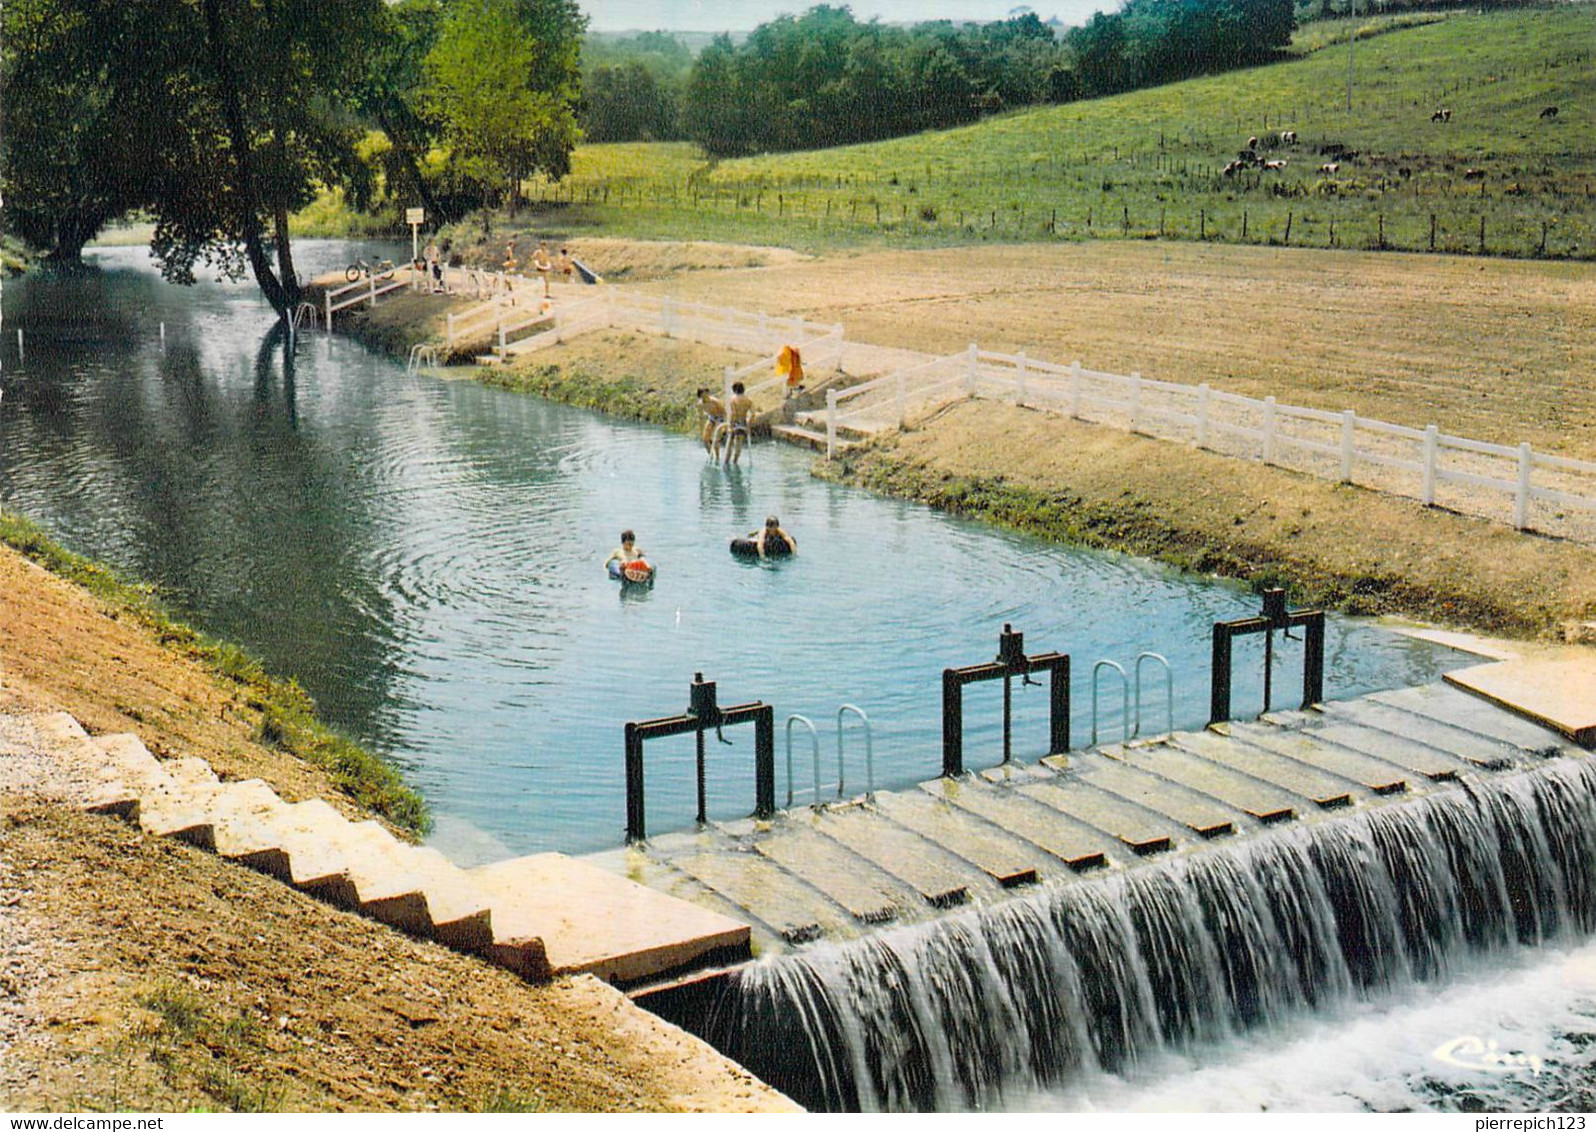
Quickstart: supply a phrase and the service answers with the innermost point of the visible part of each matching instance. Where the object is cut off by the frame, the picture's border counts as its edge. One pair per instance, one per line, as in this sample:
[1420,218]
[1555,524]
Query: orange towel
[788,362]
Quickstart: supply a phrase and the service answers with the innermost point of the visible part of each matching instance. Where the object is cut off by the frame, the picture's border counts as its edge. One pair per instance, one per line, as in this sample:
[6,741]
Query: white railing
[1492,480]
[365,290]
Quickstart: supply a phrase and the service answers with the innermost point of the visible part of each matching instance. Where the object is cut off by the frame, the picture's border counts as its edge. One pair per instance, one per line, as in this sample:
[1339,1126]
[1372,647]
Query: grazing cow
[1404,172]
[1289,137]
[1474,174]
[1442,115]
[1252,143]
[1332,149]
[1330,167]
[1233,168]
[1549,112]
[1276,165]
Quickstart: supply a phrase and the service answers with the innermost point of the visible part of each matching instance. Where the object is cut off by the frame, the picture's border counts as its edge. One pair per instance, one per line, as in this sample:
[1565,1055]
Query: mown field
[1496,178]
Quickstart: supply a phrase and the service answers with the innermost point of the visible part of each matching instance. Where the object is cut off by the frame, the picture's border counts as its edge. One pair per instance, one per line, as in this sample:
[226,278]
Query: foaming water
[424,556]
[1102,992]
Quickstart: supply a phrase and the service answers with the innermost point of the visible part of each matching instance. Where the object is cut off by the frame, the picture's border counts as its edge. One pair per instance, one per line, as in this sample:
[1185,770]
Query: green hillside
[1151,162]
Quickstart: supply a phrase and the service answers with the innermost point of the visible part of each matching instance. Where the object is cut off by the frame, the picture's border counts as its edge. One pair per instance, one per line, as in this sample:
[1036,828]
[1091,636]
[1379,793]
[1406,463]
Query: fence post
[969,372]
[501,339]
[1427,496]
[1135,398]
[665,316]
[1521,501]
[326,299]
[1019,380]
[1269,430]
[1075,390]
[831,422]
[373,278]
[903,398]
[1349,424]
[837,365]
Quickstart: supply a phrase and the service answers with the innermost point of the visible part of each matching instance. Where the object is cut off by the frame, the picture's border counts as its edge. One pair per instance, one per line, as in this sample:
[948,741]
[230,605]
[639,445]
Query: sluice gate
[993,933]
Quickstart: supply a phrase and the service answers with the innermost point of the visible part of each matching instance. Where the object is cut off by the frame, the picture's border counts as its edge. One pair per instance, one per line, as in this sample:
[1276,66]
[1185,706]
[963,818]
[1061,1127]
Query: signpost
[415,217]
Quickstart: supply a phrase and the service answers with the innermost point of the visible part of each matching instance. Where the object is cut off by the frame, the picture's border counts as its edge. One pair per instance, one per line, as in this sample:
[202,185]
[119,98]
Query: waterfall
[1097,973]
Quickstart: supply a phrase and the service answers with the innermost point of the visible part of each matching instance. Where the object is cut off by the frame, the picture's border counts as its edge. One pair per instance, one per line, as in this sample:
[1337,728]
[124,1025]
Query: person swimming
[772,541]
[625,556]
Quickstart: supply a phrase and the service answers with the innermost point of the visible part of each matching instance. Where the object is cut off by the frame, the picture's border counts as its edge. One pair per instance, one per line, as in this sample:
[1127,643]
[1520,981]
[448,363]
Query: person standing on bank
[543,265]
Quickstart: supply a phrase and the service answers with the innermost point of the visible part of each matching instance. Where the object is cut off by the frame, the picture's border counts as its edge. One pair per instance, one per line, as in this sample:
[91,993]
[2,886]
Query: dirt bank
[1346,547]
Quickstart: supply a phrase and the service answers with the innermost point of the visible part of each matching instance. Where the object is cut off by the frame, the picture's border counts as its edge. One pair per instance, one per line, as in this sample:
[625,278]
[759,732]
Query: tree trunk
[407,156]
[248,216]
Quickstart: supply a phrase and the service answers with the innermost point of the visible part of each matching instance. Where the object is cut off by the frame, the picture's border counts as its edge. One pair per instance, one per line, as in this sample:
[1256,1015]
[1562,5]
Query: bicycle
[360,269]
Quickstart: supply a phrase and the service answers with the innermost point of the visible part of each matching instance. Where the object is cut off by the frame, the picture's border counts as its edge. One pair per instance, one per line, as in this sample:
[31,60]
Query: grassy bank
[286,714]
[1495,177]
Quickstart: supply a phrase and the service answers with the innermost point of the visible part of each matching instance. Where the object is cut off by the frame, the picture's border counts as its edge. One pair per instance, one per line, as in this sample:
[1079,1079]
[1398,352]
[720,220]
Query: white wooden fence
[1513,484]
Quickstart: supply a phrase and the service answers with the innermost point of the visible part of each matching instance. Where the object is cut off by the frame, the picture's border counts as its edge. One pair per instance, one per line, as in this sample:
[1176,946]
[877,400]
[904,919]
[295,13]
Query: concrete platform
[592,921]
[1559,694]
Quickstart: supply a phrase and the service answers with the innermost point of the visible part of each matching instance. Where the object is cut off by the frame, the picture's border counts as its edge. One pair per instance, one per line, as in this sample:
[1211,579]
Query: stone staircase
[540,916]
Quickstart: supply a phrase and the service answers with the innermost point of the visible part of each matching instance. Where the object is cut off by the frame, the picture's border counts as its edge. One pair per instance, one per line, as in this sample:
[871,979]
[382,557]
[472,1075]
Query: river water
[424,554]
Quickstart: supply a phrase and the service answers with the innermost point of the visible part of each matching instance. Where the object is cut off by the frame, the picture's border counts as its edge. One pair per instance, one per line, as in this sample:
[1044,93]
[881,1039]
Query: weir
[968,943]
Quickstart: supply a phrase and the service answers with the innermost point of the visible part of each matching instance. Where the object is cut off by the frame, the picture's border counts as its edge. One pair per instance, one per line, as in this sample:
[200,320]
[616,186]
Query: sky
[745,15]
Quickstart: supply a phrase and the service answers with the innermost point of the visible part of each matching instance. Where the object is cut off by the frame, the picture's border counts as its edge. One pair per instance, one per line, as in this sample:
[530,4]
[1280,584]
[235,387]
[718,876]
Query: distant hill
[1152,162]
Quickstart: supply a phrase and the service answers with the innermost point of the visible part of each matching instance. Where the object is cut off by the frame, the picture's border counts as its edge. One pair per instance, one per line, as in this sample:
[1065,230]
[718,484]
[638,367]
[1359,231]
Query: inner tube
[749,548]
[637,572]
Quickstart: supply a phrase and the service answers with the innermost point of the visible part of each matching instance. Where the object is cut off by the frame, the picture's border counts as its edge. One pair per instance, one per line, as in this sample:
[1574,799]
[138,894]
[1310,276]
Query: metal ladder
[1127,731]
[814,747]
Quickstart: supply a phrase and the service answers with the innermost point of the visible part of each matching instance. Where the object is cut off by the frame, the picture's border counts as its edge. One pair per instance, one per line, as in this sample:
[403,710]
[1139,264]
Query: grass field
[1496,177]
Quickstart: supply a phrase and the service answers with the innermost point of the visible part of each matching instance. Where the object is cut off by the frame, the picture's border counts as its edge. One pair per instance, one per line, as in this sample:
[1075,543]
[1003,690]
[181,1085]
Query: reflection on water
[424,556]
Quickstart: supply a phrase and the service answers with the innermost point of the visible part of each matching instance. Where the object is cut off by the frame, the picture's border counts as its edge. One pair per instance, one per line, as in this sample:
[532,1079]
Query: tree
[78,117]
[504,80]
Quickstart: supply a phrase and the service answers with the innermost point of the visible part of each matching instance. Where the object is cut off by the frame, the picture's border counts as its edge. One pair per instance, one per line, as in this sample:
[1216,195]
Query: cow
[1289,137]
[1549,112]
[1332,149]
[1442,115]
[1474,174]
[1330,167]
[1275,166]
[1252,143]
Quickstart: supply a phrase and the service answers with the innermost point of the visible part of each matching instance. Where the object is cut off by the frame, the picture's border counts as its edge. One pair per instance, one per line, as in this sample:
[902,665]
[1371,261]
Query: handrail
[1169,692]
[814,742]
[1124,685]
[870,759]
[421,352]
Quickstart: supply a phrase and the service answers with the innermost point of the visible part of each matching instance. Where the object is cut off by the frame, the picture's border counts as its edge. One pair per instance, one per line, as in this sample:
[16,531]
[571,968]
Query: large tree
[220,117]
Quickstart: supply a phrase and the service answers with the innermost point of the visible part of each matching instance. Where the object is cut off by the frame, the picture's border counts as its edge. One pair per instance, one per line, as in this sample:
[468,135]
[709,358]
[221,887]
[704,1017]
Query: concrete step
[1141,831]
[1303,746]
[1079,847]
[416,890]
[786,905]
[1261,801]
[803,437]
[305,832]
[941,879]
[1440,739]
[1005,858]
[164,809]
[870,895]
[1468,712]
[1198,812]
[1323,789]
[593,921]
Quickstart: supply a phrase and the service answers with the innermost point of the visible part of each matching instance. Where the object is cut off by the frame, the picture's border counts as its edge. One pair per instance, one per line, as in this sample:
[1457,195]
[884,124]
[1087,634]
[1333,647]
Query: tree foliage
[822,78]
[503,80]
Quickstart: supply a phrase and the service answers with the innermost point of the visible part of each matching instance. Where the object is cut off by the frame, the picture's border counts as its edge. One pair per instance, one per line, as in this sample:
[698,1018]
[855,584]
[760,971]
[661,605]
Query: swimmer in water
[626,552]
[772,541]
